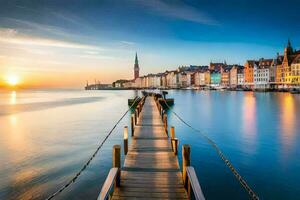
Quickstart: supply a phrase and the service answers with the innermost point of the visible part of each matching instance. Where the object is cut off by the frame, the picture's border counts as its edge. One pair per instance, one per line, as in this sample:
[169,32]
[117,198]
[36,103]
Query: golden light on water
[13,97]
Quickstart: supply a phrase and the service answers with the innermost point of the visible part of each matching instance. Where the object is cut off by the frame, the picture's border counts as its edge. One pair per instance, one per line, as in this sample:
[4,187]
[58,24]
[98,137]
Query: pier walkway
[151,169]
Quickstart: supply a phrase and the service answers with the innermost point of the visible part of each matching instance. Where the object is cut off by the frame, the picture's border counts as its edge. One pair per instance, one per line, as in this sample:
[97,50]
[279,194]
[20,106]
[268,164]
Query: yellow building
[295,71]
[287,71]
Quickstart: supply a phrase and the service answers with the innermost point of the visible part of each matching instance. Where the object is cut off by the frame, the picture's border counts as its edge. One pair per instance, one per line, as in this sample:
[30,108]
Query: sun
[12,80]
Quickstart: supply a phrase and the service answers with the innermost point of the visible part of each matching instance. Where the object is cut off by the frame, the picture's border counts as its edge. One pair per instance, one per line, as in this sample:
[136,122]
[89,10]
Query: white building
[240,77]
[262,74]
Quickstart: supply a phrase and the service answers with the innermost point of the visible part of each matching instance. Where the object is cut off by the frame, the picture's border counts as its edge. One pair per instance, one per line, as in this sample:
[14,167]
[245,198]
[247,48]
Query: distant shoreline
[194,89]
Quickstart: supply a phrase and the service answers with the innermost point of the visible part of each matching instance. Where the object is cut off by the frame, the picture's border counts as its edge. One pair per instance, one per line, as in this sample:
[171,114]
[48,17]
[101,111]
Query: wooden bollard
[165,120]
[139,109]
[132,125]
[117,163]
[186,161]
[125,140]
[135,117]
[175,145]
[172,132]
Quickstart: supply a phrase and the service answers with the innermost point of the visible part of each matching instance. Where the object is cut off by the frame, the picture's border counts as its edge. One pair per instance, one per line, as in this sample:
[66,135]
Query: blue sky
[98,39]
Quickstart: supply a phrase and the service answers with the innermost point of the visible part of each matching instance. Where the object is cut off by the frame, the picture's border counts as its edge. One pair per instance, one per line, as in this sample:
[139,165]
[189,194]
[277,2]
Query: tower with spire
[136,67]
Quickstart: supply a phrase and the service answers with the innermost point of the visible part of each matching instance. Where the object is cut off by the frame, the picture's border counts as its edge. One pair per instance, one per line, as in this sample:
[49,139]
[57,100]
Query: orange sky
[45,63]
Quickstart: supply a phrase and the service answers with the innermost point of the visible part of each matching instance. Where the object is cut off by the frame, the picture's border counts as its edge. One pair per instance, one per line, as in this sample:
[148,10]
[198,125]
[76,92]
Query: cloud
[127,43]
[12,36]
[178,11]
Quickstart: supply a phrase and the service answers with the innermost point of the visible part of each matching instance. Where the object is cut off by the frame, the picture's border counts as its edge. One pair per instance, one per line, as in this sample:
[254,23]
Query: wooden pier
[151,169]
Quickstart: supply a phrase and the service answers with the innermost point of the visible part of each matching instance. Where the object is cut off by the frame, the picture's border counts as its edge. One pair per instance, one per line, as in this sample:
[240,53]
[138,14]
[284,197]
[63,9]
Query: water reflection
[249,121]
[287,120]
[13,97]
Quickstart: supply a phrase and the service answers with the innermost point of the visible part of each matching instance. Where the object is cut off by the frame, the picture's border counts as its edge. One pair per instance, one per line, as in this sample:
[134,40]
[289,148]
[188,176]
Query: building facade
[249,73]
[215,78]
[261,74]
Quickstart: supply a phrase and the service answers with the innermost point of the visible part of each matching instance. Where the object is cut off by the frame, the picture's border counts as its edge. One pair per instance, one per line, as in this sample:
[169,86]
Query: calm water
[46,136]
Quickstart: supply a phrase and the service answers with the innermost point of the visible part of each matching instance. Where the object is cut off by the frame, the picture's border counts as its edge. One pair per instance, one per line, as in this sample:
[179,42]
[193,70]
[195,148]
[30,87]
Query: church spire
[289,47]
[136,59]
[289,43]
[136,67]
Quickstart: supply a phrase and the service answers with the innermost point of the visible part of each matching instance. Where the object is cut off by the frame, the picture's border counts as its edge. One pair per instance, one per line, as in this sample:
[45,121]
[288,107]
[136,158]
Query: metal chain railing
[241,180]
[92,157]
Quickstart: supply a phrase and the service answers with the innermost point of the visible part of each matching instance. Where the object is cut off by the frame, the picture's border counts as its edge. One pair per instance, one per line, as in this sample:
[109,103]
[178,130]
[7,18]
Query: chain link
[221,155]
[92,157]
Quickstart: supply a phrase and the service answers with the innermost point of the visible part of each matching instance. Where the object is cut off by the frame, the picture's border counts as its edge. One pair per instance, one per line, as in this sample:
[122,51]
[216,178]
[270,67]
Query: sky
[62,44]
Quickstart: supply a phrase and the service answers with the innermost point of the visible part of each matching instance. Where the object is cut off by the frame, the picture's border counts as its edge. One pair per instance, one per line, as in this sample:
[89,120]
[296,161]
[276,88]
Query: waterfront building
[215,78]
[182,76]
[138,82]
[172,79]
[249,73]
[164,80]
[197,78]
[128,84]
[284,71]
[234,76]
[136,67]
[119,83]
[273,73]
[190,78]
[261,74]
[279,78]
[144,82]
[240,76]
[295,73]
[225,75]
[201,76]
[157,80]
[207,77]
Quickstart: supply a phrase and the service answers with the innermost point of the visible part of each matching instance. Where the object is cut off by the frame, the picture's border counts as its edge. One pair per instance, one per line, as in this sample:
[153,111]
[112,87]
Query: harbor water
[46,136]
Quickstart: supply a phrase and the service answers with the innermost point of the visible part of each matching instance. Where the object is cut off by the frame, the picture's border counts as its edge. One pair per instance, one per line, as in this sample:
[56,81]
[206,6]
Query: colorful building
[295,74]
[235,76]
[287,70]
[261,74]
[240,76]
[249,73]
[215,78]
[225,75]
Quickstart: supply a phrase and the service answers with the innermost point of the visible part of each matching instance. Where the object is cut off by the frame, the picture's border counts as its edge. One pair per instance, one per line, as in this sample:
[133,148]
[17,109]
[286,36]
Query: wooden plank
[195,183]
[108,183]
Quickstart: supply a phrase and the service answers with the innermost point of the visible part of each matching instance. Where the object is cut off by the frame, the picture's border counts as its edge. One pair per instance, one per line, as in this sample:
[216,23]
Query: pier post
[135,117]
[132,125]
[139,109]
[117,163]
[172,132]
[125,140]
[175,146]
[165,120]
[186,161]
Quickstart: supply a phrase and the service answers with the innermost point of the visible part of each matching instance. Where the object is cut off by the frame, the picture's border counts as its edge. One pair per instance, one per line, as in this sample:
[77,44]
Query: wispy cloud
[12,36]
[127,43]
[177,10]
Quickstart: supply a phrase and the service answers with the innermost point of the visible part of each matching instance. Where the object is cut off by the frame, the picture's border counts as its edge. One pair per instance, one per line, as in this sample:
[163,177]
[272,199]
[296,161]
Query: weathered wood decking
[151,170]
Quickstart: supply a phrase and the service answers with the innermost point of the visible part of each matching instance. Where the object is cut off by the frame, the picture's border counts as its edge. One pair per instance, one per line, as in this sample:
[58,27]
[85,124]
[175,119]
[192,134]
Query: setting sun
[12,80]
